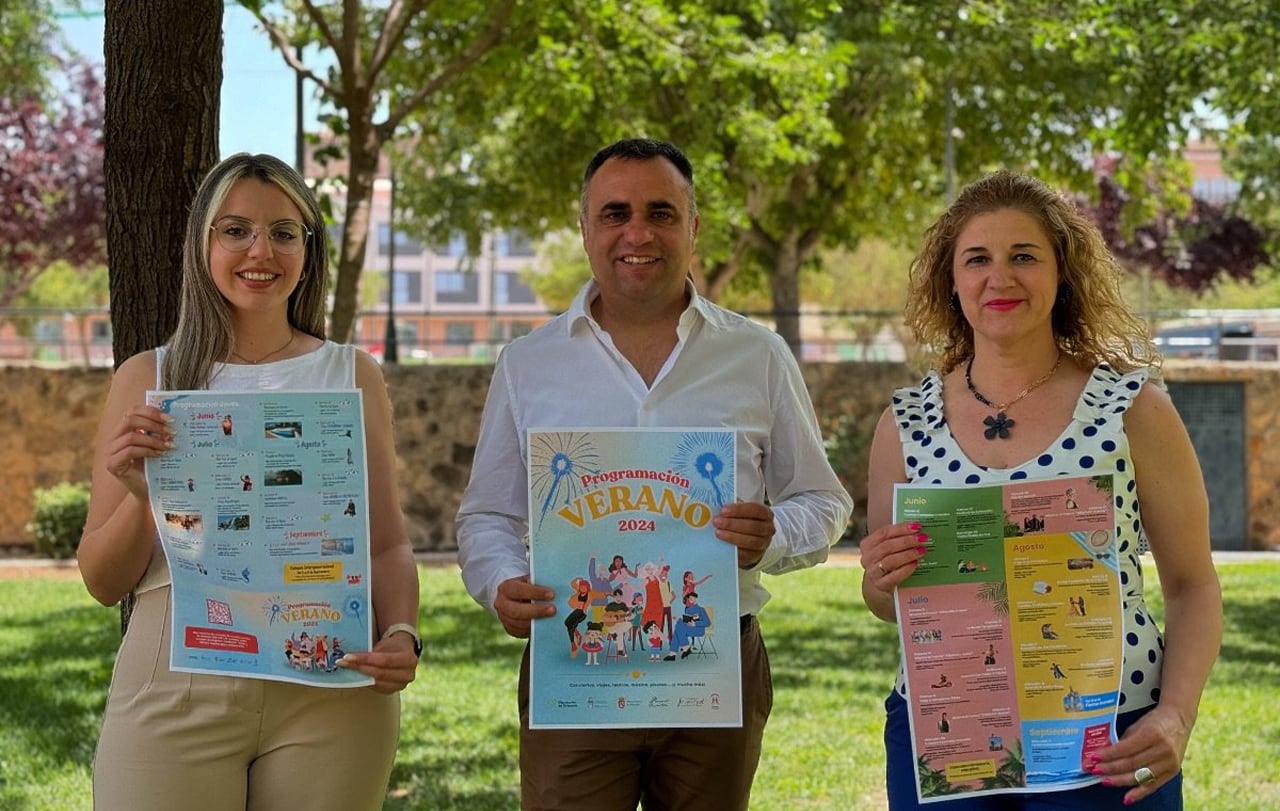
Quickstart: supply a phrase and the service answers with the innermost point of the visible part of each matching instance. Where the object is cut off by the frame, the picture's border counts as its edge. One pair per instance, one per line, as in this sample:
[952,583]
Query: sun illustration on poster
[555,462]
[702,456]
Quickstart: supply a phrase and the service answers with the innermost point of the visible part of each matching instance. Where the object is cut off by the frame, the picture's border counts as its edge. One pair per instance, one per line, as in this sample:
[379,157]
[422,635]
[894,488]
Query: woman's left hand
[392,663]
[1147,756]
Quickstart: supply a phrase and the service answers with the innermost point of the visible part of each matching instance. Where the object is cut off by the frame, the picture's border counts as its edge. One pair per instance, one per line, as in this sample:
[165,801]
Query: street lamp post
[390,349]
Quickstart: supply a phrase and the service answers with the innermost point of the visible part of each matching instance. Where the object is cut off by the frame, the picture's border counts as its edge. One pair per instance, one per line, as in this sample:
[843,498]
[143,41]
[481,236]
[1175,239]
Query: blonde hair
[203,335]
[1091,321]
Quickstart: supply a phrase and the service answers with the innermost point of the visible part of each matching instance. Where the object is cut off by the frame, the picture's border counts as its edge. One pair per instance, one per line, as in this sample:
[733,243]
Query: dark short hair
[640,149]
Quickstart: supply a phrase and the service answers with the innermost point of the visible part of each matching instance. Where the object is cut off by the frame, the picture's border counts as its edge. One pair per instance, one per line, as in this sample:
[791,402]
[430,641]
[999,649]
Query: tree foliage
[26,32]
[376,64]
[52,187]
[811,124]
[1192,250]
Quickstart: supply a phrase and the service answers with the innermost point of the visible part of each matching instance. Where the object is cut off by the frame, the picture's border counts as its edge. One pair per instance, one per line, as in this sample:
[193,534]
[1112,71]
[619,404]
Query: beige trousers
[214,743]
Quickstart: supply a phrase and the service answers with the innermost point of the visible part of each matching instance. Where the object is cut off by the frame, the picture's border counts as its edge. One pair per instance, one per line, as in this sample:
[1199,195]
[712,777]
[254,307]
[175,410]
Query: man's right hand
[520,602]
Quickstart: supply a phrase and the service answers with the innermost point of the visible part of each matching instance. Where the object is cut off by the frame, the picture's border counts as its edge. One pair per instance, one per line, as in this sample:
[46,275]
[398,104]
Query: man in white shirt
[640,348]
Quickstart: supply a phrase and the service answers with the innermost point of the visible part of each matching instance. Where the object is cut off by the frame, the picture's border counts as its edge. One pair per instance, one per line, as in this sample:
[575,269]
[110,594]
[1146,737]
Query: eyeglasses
[238,235]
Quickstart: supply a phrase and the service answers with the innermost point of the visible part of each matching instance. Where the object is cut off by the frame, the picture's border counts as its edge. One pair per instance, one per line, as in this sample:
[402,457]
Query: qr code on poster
[219,612]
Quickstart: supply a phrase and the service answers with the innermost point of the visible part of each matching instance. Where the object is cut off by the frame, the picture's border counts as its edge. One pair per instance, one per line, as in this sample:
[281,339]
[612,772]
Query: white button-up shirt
[725,372]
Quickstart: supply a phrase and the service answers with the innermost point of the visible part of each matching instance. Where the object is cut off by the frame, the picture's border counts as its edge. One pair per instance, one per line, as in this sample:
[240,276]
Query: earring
[953,303]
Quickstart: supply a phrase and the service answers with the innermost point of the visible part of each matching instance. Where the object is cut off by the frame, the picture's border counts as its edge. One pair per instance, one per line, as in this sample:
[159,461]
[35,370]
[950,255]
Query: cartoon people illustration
[579,600]
[226,425]
[653,633]
[619,571]
[688,584]
[321,653]
[246,482]
[943,724]
[942,681]
[668,595]
[594,643]
[990,657]
[1056,669]
[1047,631]
[1070,499]
[693,624]
[637,617]
[191,485]
[350,508]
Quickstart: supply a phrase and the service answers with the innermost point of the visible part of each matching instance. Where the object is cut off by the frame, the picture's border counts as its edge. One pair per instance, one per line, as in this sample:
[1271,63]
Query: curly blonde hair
[1091,321]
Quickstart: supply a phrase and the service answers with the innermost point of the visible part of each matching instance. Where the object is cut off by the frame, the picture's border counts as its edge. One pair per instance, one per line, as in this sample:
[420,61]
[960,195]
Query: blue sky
[258,89]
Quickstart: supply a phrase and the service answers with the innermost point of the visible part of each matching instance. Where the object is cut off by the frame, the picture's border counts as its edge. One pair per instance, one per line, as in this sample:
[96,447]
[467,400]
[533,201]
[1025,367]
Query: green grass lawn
[832,666]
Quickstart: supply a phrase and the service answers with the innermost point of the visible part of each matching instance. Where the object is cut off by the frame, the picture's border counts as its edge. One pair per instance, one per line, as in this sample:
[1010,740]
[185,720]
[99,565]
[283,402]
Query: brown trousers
[692,769]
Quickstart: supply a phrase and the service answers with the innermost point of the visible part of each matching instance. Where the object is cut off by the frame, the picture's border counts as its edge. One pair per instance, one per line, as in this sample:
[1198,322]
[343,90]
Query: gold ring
[1143,776]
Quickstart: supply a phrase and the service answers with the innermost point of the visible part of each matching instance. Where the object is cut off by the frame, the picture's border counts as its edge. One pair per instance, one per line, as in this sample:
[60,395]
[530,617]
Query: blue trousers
[901,778]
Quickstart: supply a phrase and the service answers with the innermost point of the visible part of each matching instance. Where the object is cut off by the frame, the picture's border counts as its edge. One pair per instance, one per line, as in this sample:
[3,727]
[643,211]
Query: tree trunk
[163,78]
[361,173]
[784,284]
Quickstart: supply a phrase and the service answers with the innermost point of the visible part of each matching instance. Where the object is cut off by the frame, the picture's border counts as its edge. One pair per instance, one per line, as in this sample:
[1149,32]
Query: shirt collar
[579,312]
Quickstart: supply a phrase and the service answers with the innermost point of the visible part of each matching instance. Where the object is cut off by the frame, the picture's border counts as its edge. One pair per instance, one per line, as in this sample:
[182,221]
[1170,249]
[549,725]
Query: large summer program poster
[262,509]
[1011,633]
[646,629]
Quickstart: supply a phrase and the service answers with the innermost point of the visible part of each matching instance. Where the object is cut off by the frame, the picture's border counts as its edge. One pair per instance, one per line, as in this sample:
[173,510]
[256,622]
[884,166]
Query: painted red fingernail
[1129,801]
[914,525]
[922,549]
[1096,770]
[920,536]
[1106,781]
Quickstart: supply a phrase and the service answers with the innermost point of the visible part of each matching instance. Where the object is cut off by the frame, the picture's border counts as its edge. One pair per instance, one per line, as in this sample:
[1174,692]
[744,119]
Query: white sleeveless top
[1093,443]
[331,366]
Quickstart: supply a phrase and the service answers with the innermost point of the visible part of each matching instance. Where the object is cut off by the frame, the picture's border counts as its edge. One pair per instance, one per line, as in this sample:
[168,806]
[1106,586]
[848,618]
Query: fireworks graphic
[555,462]
[701,457]
[272,608]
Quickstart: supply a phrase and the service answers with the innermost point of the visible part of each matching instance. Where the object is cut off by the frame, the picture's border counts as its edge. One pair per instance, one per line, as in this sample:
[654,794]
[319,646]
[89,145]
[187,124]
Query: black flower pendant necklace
[999,425]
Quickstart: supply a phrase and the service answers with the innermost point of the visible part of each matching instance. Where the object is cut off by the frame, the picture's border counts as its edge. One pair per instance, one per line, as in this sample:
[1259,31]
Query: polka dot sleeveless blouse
[1093,443]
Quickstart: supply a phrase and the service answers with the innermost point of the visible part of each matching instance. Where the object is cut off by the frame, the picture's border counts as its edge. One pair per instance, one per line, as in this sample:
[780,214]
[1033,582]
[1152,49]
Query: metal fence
[82,337]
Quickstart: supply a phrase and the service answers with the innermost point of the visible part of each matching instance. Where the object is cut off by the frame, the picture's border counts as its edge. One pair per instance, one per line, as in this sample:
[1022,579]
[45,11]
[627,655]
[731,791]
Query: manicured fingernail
[1129,801]
[914,525]
[1096,770]
[921,537]
[922,549]
[1106,781]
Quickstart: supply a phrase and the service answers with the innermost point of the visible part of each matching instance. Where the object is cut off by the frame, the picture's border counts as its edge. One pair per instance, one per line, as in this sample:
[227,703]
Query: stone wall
[54,413]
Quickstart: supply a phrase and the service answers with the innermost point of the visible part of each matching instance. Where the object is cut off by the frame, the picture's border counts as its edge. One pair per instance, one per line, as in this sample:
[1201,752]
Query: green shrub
[59,518]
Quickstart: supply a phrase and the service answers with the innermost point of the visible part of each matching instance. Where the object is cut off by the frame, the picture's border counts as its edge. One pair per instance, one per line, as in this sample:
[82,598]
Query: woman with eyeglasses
[254,271]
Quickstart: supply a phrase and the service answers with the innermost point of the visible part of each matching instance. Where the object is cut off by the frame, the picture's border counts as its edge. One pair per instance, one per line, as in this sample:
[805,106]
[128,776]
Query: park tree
[163,77]
[811,125]
[375,66]
[51,182]
[1190,248]
[27,31]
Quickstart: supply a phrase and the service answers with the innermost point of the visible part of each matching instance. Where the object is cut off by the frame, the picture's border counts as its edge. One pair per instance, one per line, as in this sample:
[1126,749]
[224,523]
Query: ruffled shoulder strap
[918,409]
[1109,393]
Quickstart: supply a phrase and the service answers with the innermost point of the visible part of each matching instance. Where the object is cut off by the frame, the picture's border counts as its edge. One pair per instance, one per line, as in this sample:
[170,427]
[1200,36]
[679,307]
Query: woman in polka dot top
[1041,371]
